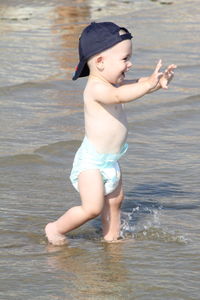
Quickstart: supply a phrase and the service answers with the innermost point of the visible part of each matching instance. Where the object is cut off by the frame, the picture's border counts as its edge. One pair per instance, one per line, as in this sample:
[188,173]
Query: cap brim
[82,70]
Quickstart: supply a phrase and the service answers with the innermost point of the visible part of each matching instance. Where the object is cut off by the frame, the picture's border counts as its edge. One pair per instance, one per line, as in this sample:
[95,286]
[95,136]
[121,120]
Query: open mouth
[124,75]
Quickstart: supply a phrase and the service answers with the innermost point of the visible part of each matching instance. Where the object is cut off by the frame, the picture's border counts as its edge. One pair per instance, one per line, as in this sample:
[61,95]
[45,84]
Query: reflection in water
[28,29]
[91,272]
[23,17]
[69,22]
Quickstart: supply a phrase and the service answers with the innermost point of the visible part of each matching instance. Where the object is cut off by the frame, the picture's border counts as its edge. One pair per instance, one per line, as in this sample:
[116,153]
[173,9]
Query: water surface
[42,126]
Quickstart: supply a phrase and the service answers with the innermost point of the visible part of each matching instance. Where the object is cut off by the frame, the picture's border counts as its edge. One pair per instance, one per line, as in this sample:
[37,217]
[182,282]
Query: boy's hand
[161,80]
[167,76]
[156,76]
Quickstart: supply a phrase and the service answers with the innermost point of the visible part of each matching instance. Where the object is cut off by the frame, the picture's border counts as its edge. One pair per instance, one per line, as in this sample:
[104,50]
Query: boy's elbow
[121,96]
[118,99]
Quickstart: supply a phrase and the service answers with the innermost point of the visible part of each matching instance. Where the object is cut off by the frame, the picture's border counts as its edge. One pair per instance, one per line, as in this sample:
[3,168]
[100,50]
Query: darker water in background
[41,127]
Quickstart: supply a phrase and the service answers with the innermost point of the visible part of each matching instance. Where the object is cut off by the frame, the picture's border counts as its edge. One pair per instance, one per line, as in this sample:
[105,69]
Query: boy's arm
[109,94]
[164,80]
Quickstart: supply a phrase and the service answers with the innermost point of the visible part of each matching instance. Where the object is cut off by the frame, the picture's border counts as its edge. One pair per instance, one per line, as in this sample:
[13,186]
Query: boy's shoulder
[92,91]
[97,90]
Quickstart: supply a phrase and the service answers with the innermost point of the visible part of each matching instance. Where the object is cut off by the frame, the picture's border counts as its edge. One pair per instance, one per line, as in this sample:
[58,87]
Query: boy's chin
[118,80]
[121,79]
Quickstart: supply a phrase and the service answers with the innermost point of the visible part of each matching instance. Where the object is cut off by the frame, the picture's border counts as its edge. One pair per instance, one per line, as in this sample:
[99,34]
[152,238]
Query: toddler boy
[105,50]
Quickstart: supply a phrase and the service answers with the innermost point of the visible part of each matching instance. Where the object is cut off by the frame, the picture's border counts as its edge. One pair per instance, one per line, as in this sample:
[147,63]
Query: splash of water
[144,223]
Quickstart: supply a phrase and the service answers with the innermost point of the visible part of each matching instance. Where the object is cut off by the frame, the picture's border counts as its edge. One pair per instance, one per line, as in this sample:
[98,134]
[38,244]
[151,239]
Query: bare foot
[53,236]
[118,240]
[115,240]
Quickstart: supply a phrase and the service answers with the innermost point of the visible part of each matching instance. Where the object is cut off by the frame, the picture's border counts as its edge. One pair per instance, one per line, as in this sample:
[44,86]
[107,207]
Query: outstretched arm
[165,79]
[109,94]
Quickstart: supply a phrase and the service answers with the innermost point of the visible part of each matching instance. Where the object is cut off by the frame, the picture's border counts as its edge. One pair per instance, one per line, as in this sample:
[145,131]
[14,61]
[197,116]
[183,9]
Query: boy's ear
[99,63]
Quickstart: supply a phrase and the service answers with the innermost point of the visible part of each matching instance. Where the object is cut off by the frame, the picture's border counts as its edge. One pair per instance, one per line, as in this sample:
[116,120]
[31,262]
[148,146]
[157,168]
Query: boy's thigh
[91,188]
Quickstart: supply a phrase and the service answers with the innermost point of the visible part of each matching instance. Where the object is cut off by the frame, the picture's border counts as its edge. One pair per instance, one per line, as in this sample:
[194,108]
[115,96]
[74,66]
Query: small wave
[58,147]
[193,98]
[21,159]
[24,85]
[59,151]
[43,155]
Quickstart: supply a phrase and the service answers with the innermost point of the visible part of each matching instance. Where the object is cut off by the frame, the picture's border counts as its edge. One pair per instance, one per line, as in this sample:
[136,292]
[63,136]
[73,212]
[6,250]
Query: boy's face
[117,62]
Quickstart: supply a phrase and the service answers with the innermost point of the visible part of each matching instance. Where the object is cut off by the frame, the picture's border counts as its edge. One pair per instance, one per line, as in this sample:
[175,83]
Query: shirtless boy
[105,50]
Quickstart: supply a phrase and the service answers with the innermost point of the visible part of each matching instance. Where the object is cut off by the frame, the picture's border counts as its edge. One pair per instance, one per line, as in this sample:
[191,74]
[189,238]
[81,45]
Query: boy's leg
[91,191]
[111,214]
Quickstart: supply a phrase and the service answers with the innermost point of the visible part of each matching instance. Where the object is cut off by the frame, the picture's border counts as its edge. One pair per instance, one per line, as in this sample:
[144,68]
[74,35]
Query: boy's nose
[129,64]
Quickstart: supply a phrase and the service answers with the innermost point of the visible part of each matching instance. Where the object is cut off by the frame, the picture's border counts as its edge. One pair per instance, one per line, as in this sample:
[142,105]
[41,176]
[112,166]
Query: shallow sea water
[41,127]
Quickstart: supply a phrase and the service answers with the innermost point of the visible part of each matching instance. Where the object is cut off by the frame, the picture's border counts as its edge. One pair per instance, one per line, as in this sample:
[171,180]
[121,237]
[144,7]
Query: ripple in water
[144,223]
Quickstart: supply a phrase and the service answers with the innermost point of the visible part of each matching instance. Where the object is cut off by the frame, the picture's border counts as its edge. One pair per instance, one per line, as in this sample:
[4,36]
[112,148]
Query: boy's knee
[115,201]
[92,212]
[119,200]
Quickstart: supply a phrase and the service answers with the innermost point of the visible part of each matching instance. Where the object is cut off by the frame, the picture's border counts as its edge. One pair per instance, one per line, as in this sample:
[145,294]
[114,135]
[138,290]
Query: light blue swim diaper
[87,158]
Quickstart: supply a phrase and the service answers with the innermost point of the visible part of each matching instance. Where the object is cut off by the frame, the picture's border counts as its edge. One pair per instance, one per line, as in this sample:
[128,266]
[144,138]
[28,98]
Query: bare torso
[105,124]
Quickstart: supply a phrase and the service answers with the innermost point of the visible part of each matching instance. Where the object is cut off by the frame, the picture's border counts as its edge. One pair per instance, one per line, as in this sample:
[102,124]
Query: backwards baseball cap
[96,38]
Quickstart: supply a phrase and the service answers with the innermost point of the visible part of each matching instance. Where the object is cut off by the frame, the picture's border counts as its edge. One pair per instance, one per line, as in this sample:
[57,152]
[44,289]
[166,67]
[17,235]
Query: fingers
[158,66]
[167,75]
[170,69]
[162,79]
[157,71]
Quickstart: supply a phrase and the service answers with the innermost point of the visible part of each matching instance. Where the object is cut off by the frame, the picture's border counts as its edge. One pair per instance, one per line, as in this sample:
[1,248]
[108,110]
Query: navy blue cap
[96,38]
